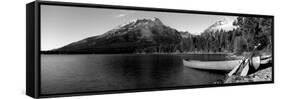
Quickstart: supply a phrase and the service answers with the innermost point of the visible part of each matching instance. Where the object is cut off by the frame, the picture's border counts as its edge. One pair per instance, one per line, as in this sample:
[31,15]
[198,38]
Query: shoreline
[260,75]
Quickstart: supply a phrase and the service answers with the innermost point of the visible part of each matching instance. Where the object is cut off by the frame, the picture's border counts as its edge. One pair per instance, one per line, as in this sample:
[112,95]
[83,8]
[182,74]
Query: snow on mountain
[133,24]
[226,24]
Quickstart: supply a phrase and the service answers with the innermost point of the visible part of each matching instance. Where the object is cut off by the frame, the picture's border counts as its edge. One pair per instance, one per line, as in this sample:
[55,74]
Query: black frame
[33,73]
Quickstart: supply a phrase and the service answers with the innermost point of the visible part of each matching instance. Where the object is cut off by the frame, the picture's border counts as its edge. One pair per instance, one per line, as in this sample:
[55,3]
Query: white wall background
[12,49]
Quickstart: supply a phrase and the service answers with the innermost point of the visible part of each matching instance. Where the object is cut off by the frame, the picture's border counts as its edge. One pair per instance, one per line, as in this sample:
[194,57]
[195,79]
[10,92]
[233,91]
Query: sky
[62,25]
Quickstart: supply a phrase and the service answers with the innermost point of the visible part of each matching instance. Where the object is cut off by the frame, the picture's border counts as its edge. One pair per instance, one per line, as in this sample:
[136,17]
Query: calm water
[80,73]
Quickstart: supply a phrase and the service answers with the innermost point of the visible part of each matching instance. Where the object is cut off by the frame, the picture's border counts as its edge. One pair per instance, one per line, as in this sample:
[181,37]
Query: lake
[98,72]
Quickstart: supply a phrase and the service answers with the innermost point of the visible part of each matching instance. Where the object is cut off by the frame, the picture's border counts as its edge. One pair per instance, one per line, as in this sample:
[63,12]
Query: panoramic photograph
[100,49]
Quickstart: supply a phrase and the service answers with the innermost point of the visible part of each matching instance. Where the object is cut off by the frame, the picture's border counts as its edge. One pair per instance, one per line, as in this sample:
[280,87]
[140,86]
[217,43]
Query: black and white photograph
[87,49]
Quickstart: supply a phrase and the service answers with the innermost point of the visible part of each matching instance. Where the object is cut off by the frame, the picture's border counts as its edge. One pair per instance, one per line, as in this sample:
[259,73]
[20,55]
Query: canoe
[266,59]
[255,62]
[212,65]
[259,60]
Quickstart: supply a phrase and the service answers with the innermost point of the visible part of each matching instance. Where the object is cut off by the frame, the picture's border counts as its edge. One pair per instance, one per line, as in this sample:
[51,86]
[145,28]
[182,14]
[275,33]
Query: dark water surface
[80,73]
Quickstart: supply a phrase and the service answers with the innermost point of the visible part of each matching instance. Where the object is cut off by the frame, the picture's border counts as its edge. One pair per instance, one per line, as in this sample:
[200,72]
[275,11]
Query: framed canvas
[85,49]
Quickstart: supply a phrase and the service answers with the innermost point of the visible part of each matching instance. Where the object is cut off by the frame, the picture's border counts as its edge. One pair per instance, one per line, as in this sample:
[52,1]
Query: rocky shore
[260,75]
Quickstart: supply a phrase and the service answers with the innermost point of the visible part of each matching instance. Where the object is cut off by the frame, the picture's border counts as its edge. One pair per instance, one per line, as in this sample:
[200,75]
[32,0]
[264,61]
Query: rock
[261,75]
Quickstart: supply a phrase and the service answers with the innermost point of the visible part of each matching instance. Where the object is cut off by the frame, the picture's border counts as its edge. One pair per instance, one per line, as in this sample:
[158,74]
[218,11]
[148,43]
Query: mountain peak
[223,21]
[157,20]
[222,24]
[144,25]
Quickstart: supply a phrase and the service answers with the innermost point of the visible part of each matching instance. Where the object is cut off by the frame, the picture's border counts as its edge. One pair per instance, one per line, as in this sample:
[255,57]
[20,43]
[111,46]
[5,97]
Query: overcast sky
[62,25]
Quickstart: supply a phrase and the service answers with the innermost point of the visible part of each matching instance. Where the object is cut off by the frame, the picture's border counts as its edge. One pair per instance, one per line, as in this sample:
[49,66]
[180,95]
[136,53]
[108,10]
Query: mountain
[225,24]
[186,34]
[142,35]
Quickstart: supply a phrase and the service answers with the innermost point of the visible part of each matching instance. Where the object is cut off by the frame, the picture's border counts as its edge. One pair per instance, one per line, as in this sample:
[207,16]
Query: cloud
[121,15]
[124,14]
